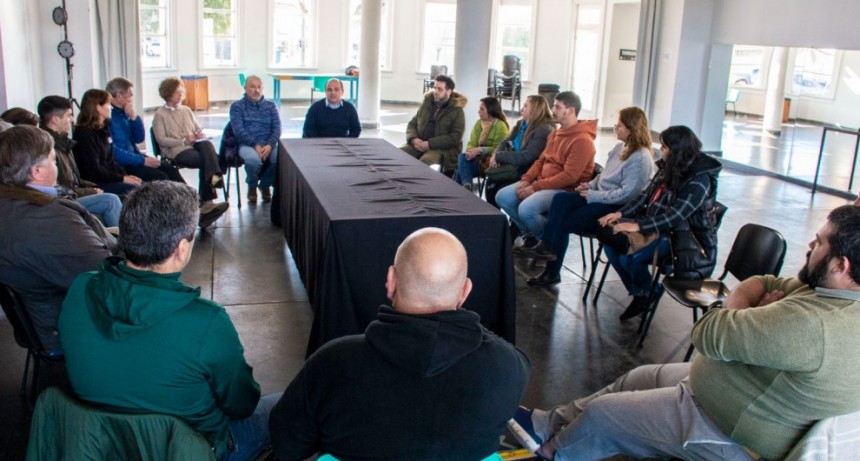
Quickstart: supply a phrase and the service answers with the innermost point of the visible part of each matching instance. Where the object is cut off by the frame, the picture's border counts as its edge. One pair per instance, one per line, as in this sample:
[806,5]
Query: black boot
[636,307]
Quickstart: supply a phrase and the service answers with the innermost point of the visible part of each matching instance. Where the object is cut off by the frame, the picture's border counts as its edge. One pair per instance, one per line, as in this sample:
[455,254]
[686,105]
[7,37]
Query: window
[355,35]
[748,66]
[586,55]
[154,45]
[814,72]
[220,43]
[292,28]
[514,33]
[440,20]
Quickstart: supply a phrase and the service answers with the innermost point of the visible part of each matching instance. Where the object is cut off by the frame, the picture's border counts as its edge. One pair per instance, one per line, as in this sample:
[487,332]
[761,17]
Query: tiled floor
[243,263]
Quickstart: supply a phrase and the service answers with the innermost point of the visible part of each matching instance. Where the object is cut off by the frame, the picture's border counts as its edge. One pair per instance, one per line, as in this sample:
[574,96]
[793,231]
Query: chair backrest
[64,428]
[733,96]
[13,307]
[242,79]
[437,70]
[156,149]
[598,169]
[757,250]
[510,64]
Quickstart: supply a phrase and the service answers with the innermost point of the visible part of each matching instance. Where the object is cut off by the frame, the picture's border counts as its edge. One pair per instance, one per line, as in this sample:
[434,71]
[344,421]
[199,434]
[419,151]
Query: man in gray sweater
[780,355]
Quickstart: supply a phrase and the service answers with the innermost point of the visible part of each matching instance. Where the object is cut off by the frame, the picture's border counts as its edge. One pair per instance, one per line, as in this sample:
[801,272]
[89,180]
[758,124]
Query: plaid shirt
[670,210]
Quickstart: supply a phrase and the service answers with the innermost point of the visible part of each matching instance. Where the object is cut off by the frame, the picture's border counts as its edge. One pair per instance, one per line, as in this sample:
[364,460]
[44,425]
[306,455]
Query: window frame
[496,61]
[767,53]
[423,37]
[236,20]
[313,39]
[388,44]
[835,73]
[168,44]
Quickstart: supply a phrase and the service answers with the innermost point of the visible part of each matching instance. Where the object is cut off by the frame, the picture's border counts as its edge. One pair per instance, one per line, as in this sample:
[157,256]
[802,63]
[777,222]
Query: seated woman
[488,132]
[93,150]
[181,139]
[628,169]
[678,198]
[522,146]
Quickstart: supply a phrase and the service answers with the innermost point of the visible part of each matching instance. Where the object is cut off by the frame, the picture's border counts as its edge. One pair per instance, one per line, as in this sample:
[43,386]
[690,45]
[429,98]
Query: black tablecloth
[345,206]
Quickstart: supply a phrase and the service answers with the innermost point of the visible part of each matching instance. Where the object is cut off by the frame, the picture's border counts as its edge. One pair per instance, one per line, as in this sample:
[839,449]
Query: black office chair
[757,250]
[509,83]
[26,337]
[435,71]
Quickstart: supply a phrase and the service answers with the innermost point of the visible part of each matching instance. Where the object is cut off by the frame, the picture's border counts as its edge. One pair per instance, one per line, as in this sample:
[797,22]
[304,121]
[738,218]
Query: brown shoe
[266,192]
[252,195]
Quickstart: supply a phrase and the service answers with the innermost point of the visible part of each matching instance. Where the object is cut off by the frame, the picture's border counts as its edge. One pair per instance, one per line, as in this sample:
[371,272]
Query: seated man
[256,125]
[45,241]
[55,115]
[781,355]
[425,380]
[435,133]
[138,339]
[566,161]
[332,117]
[127,131]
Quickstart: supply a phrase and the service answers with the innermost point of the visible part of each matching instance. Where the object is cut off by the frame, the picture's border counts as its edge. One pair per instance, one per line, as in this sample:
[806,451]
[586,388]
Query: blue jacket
[255,122]
[126,134]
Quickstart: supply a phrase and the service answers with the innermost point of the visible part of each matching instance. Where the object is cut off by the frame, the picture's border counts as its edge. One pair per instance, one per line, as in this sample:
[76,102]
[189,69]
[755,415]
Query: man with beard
[780,355]
[435,133]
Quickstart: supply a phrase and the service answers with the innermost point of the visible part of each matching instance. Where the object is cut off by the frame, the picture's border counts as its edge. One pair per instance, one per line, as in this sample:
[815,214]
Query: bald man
[424,381]
[256,124]
[332,117]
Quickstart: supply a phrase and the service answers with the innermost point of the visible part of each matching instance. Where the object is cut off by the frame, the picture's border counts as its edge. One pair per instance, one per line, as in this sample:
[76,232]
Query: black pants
[202,156]
[162,173]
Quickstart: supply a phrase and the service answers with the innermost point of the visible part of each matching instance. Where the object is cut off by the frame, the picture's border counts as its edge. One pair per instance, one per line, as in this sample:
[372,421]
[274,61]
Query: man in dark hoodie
[425,380]
[138,339]
[435,133]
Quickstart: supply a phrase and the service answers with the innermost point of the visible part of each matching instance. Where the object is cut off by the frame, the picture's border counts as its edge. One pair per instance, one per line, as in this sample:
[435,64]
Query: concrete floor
[242,263]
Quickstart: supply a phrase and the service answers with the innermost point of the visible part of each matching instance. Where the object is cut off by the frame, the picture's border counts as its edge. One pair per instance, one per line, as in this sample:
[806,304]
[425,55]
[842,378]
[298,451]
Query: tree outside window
[355,35]
[154,44]
[220,47]
[292,28]
[440,21]
[514,35]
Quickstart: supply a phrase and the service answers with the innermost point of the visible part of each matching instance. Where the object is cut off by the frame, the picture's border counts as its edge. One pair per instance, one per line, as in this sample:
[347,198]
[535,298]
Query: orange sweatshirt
[567,159]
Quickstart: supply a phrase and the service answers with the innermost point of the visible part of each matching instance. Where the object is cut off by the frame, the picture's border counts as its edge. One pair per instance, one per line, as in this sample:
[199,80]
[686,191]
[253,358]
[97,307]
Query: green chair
[242,79]
[64,428]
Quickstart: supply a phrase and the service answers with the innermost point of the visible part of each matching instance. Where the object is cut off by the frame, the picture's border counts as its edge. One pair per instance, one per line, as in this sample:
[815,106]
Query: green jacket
[498,132]
[450,127]
[146,342]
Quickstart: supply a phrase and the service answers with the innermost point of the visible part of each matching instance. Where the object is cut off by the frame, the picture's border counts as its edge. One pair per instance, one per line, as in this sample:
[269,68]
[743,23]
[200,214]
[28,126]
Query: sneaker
[266,192]
[636,308]
[527,242]
[543,251]
[207,206]
[468,187]
[252,194]
[206,219]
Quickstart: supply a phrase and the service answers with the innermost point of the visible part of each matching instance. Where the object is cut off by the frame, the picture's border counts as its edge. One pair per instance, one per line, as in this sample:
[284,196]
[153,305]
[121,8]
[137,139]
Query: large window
[748,66]
[154,38]
[354,45]
[814,72]
[440,20]
[586,55]
[514,33]
[220,43]
[292,26]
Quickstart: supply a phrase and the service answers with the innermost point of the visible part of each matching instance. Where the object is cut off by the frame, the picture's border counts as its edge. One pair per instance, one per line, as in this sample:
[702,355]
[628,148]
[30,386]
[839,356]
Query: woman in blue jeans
[676,199]
[629,167]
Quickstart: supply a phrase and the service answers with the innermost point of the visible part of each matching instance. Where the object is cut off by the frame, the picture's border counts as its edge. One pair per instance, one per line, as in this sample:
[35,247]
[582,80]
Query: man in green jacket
[138,339]
[435,133]
[779,356]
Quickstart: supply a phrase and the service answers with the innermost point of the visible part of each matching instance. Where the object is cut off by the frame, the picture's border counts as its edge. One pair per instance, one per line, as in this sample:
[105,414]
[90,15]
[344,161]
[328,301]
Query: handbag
[625,242]
[502,173]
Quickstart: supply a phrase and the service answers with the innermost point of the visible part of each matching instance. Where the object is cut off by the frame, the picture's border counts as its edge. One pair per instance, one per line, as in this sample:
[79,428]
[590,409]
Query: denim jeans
[466,169]
[251,435]
[529,214]
[662,419]
[253,165]
[633,269]
[570,213]
[105,206]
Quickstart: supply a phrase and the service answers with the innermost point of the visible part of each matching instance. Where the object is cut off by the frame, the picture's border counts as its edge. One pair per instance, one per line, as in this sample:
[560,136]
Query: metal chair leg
[23,392]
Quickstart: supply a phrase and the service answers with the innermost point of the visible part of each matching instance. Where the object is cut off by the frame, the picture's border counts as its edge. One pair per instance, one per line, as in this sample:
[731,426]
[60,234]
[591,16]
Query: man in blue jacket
[127,131]
[257,126]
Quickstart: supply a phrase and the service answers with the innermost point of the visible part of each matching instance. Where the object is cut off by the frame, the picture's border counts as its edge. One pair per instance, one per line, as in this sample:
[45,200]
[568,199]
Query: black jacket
[417,387]
[94,155]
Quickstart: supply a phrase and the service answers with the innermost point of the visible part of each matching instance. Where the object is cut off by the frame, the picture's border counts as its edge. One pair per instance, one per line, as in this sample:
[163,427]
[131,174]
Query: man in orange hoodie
[566,161]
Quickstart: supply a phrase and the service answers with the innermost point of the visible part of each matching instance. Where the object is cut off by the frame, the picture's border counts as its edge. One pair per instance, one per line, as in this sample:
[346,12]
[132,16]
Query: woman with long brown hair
[490,129]
[516,153]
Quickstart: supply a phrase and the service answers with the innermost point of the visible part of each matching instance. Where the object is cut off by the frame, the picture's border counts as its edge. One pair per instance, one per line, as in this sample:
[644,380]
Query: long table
[345,206]
[319,81]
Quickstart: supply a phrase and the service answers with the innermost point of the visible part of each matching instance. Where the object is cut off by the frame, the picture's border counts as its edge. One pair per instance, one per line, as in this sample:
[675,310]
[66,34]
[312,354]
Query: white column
[472,54]
[775,95]
[368,63]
